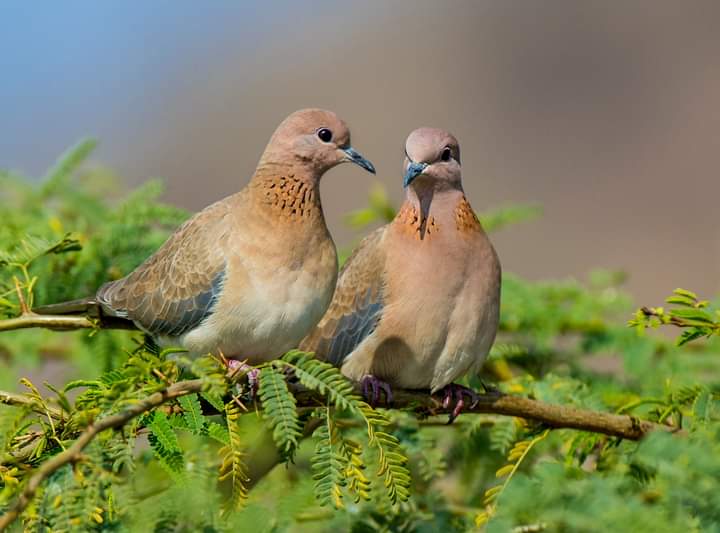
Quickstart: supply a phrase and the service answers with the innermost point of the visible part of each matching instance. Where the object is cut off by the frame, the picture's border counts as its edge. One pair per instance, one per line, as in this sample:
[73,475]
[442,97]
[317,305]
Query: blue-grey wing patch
[357,305]
[353,328]
[189,313]
[158,315]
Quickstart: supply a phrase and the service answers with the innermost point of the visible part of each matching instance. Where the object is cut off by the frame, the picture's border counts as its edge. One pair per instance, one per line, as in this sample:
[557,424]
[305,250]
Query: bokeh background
[605,113]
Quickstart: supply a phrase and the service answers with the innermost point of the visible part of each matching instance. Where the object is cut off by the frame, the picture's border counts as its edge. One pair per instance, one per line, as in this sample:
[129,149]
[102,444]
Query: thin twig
[56,322]
[63,322]
[671,319]
[25,400]
[24,309]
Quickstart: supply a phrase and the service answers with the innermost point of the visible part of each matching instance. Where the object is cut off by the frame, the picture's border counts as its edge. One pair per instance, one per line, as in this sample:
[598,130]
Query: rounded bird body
[276,290]
[417,304]
[250,275]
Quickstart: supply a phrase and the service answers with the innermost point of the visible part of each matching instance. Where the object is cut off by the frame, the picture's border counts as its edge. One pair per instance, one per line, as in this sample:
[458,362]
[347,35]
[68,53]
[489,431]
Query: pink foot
[253,374]
[371,388]
[458,394]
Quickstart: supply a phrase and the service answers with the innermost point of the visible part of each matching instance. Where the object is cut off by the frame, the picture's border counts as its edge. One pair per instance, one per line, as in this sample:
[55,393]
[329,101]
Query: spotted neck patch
[465,218]
[414,223]
[292,196]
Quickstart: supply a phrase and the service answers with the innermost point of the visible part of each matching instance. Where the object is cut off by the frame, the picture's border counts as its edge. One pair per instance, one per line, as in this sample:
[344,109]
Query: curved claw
[458,394]
[371,387]
[253,374]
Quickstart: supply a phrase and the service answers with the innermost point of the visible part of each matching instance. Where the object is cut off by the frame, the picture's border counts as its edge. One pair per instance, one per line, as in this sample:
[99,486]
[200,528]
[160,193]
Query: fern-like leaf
[219,433]
[322,377]
[234,457]
[328,466]
[391,459]
[279,409]
[192,413]
[165,444]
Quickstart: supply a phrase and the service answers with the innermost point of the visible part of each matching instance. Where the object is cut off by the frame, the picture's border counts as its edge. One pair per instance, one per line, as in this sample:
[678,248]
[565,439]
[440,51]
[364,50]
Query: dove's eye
[324,134]
[446,154]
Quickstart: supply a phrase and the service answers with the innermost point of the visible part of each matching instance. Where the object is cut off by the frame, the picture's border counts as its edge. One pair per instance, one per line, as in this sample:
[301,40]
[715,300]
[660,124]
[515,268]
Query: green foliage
[348,466]
[166,446]
[693,316]
[234,463]
[322,377]
[280,409]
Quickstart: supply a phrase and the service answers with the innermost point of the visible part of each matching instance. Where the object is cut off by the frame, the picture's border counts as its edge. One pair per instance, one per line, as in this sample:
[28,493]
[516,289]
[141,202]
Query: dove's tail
[83,306]
[88,307]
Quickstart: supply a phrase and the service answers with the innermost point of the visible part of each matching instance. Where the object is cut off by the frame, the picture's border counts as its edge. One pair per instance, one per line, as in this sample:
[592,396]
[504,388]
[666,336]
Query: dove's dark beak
[355,157]
[413,171]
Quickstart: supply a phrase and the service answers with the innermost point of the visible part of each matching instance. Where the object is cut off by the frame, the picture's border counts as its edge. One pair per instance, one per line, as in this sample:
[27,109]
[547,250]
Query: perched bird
[250,275]
[417,304]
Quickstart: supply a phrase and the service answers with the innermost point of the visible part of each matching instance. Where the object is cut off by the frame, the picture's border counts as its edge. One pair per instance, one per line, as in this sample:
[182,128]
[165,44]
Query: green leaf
[279,408]
[322,377]
[192,412]
[328,466]
[691,334]
[214,400]
[505,216]
[693,315]
[163,431]
[164,443]
[685,293]
[234,463]
[681,300]
[219,433]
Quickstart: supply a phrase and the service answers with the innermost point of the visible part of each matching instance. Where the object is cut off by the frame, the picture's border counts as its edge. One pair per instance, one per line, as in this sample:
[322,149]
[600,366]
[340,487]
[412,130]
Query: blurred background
[607,114]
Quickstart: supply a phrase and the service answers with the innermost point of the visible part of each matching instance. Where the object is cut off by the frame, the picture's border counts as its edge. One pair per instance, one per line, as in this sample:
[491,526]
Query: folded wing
[357,304]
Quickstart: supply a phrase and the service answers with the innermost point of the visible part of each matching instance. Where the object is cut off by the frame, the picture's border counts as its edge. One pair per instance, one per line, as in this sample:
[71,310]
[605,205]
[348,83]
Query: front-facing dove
[417,303]
[250,275]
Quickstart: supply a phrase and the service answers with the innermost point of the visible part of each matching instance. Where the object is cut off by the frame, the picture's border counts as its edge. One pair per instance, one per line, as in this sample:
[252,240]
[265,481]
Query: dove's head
[313,139]
[432,158]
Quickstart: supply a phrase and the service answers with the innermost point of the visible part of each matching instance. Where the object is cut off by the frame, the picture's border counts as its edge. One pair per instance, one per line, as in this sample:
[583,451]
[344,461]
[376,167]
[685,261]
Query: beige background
[605,113]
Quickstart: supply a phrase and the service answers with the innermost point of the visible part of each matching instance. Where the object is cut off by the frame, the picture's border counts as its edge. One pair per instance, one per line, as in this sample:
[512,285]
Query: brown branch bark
[550,415]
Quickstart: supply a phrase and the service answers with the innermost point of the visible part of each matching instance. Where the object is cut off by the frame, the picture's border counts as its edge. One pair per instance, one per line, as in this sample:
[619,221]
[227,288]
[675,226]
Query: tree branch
[73,453]
[64,322]
[550,415]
